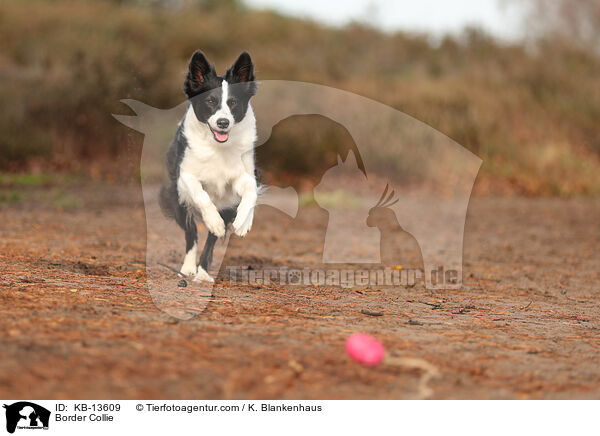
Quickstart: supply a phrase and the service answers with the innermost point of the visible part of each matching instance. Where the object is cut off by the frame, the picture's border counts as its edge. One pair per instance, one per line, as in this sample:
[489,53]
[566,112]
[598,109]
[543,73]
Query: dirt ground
[78,322]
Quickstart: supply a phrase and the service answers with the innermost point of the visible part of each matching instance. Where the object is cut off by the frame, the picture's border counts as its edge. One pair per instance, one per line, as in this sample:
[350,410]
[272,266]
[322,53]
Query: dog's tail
[167,199]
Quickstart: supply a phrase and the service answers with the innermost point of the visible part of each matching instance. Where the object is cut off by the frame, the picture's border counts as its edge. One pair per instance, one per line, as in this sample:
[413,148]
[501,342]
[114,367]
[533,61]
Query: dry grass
[531,115]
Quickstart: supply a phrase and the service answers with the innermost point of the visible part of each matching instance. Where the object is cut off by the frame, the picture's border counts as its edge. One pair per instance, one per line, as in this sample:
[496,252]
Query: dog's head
[220,102]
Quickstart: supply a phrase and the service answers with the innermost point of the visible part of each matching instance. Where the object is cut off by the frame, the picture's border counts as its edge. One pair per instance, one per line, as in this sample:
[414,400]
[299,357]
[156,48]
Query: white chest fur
[217,166]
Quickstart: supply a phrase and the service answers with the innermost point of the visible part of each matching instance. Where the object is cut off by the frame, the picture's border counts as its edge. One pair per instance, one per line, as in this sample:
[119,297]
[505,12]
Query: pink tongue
[222,137]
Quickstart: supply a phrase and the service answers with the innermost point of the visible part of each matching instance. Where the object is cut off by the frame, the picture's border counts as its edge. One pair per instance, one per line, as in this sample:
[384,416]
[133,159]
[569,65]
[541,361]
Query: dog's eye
[211,101]
[232,102]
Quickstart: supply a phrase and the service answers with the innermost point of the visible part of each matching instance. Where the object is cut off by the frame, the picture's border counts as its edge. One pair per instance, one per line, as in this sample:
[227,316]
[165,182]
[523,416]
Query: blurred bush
[531,112]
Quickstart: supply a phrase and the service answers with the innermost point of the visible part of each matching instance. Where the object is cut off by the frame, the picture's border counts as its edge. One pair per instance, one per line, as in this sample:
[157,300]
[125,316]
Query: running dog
[211,159]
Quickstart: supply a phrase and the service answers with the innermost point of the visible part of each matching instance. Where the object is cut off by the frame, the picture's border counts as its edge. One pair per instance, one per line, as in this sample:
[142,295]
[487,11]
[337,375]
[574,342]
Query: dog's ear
[200,71]
[242,71]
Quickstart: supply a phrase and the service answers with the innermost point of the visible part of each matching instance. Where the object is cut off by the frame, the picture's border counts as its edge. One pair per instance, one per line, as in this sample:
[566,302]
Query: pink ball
[365,349]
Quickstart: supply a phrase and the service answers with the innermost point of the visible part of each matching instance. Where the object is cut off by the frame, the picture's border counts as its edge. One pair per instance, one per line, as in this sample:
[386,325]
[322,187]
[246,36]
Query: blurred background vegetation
[529,109]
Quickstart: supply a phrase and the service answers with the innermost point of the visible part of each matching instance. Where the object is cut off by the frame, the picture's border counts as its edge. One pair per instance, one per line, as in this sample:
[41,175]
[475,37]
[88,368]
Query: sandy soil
[78,322]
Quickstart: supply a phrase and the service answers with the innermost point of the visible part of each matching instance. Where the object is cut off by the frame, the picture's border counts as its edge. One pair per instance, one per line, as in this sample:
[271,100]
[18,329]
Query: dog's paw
[240,227]
[188,269]
[214,223]
[203,276]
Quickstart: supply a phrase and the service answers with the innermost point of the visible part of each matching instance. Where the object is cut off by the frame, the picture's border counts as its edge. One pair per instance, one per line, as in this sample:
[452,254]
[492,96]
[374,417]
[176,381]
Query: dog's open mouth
[220,136]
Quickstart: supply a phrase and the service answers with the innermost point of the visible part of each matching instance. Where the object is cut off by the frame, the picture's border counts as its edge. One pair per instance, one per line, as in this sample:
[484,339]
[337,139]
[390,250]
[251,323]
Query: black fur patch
[203,87]
[241,74]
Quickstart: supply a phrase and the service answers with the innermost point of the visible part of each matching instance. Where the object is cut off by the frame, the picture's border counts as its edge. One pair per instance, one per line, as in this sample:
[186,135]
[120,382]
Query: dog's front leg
[246,188]
[192,193]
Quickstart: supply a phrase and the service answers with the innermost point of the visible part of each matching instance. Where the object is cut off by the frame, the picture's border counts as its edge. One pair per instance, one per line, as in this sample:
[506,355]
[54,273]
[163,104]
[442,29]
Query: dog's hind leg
[186,222]
[191,250]
[206,259]
[207,251]
[209,247]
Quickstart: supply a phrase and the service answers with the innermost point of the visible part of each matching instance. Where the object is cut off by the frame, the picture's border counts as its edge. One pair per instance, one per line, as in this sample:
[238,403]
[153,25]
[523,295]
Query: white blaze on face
[222,134]
[225,90]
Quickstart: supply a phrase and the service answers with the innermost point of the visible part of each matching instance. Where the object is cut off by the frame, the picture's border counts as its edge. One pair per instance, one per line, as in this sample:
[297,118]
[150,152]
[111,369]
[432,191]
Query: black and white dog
[211,160]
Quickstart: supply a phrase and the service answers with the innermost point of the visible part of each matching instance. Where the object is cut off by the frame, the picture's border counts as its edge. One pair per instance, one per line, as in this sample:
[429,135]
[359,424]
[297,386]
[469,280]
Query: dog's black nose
[223,123]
